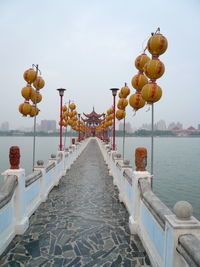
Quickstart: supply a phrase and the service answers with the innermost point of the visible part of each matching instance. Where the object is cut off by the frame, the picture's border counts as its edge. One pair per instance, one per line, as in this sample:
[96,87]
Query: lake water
[176,163]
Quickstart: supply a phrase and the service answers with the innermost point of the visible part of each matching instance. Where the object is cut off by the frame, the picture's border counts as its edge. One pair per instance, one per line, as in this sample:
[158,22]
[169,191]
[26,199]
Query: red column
[114,146]
[61,148]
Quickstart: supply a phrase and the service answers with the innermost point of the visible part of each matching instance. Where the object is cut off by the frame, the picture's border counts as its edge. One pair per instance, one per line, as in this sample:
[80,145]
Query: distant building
[48,126]
[199,127]
[128,127]
[175,125]
[4,126]
[161,125]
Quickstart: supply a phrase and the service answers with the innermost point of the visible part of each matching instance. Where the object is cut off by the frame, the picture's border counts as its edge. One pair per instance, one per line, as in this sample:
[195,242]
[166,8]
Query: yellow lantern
[70,114]
[25,108]
[136,101]
[120,114]
[122,103]
[39,83]
[119,95]
[30,75]
[154,68]
[72,106]
[64,108]
[141,61]
[74,113]
[138,81]
[33,111]
[151,92]
[157,44]
[28,92]
[70,122]
[36,98]
[109,123]
[125,91]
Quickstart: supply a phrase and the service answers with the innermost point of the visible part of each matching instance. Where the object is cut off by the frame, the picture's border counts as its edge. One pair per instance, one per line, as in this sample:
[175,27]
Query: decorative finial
[14,157]
[141,158]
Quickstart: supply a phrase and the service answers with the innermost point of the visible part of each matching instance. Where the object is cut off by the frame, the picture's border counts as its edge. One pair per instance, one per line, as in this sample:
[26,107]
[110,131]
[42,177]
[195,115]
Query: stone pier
[82,223]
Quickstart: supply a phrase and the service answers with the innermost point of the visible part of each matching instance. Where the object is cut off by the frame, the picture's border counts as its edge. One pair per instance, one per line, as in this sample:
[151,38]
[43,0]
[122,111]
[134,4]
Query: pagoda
[93,120]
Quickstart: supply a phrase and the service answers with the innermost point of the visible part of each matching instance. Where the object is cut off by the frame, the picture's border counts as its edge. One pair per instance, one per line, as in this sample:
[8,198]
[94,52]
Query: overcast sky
[89,46]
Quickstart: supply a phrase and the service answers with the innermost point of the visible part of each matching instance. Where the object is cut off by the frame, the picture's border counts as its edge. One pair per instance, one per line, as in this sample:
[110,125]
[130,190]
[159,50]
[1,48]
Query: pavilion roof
[93,114]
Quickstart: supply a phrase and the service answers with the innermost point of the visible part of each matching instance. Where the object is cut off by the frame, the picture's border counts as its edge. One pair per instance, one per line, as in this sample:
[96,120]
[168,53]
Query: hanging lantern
[154,68]
[33,111]
[25,108]
[151,92]
[28,92]
[39,83]
[136,101]
[141,61]
[138,81]
[119,95]
[61,123]
[36,98]
[157,44]
[30,75]
[72,106]
[125,91]
[74,113]
[120,114]
[64,123]
[70,122]
[70,114]
[122,103]
[64,108]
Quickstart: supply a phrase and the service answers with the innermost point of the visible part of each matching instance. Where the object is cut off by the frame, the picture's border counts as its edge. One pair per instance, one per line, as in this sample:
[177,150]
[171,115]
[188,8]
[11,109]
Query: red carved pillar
[14,157]
[141,158]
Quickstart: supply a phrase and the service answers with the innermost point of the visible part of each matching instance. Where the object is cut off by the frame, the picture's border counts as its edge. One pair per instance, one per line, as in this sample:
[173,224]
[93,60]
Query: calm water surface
[176,163]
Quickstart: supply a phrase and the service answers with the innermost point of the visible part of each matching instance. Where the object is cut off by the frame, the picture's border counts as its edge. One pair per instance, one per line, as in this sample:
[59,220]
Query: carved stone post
[14,157]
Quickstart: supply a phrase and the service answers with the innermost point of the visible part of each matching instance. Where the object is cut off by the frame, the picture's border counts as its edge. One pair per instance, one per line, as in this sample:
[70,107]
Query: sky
[89,46]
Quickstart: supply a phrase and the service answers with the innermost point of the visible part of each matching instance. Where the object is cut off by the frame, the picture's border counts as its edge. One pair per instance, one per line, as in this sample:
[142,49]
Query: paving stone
[82,223]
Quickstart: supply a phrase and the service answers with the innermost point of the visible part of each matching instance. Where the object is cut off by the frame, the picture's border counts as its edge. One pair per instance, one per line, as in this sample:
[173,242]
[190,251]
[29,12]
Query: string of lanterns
[122,102]
[31,94]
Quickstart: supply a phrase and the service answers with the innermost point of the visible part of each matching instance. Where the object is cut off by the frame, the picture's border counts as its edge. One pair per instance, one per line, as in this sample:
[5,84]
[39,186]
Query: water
[176,163]
[176,167]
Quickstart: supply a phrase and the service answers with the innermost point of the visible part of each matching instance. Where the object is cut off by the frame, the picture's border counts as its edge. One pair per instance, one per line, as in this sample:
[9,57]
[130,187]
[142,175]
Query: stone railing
[171,239]
[20,195]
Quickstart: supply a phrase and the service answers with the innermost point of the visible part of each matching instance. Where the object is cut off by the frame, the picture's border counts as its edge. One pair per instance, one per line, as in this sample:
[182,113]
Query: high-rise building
[128,127]
[48,126]
[5,126]
[160,125]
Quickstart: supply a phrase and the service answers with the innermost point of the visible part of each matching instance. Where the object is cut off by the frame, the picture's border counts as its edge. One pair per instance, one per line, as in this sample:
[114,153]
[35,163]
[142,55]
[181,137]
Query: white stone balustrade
[171,239]
[20,195]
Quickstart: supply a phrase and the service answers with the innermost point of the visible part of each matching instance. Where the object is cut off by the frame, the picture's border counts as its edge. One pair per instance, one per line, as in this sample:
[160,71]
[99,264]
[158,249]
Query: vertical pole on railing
[114,93]
[124,133]
[61,93]
[152,140]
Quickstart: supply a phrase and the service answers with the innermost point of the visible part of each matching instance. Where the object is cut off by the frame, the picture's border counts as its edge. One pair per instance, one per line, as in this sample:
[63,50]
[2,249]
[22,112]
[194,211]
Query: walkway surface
[81,224]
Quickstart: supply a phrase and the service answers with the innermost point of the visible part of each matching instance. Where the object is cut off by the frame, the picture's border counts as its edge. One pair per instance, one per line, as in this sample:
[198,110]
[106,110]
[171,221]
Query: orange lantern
[120,114]
[30,75]
[39,83]
[154,68]
[36,98]
[157,44]
[72,106]
[64,108]
[141,61]
[25,108]
[28,92]
[138,81]
[122,103]
[34,111]
[136,101]
[125,91]
[151,92]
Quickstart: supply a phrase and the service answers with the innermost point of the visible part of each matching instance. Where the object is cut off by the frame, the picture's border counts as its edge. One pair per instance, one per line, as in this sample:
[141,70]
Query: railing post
[181,223]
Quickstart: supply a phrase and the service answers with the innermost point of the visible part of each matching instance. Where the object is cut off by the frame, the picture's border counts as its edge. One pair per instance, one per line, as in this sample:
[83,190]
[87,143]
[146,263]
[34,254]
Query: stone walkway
[81,224]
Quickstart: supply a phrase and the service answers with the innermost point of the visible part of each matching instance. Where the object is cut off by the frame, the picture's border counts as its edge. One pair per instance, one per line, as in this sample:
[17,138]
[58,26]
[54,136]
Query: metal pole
[152,140]
[61,123]
[66,130]
[79,136]
[114,146]
[34,127]
[124,133]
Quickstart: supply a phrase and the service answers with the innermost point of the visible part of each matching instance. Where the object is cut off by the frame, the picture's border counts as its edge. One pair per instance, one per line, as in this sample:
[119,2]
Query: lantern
[157,44]
[136,101]
[122,103]
[141,61]
[61,123]
[154,68]
[151,92]
[64,108]
[39,83]
[120,114]
[70,114]
[138,81]
[33,111]
[72,106]
[30,76]
[28,92]
[25,108]
[119,95]
[70,122]
[36,98]
[125,91]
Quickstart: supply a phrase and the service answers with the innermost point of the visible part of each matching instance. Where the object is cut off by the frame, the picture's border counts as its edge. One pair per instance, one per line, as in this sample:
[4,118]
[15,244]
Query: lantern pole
[61,93]
[79,123]
[34,123]
[114,93]
[124,133]
[152,140]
